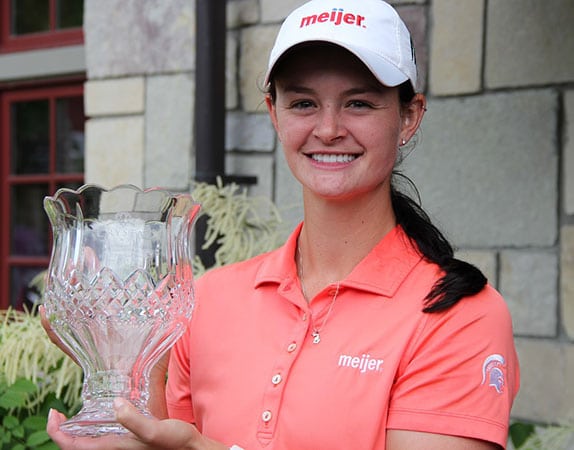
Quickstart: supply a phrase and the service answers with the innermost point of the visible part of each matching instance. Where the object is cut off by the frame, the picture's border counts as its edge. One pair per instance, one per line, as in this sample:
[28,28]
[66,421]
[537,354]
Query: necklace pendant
[316,337]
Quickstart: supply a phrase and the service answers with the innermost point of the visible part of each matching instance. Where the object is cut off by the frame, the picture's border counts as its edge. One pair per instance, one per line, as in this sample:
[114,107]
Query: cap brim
[384,71]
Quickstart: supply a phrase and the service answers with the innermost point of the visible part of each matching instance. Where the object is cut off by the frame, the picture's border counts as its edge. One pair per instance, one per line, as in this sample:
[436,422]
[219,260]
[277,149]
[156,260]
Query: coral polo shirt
[248,373]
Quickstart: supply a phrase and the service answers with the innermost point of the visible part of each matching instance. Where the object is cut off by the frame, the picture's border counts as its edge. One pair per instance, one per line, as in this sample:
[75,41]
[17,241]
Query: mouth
[331,158]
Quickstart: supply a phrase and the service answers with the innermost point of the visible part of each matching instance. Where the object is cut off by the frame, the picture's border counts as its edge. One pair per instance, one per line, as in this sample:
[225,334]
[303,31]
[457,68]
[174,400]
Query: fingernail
[50,414]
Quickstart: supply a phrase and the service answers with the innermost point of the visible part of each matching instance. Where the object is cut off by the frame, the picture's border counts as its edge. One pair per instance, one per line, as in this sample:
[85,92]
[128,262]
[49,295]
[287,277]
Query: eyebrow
[297,89]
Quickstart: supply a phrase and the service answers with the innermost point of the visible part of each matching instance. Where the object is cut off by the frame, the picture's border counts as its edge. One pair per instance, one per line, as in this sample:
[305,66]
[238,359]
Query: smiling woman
[362,330]
[339,126]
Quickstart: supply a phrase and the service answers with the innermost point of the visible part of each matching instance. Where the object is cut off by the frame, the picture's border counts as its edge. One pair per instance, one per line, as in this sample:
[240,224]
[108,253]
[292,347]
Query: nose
[329,126]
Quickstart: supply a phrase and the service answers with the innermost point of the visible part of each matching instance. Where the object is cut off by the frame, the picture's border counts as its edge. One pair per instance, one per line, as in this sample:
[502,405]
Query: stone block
[256,43]
[169,131]
[567,279]
[114,151]
[274,11]
[485,260]
[288,193]
[529,42]
[258,165]
[456,46]
[249,132]
[157,38]
[547,369]
[487,167]
[528,282]
[114,96]
[568,159]
[242,12]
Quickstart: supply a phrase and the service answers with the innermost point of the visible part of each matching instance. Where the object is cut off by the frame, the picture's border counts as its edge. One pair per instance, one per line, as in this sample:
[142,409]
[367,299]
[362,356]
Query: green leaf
[37,438]
[6,437]
[19,447]
[12,399]
[10,422]
[24,385]
[15,395]
[35,423]
[48,446]
[18,432]
[519,432]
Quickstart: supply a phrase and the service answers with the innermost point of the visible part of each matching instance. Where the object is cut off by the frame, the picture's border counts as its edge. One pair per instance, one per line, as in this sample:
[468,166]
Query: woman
[362,331]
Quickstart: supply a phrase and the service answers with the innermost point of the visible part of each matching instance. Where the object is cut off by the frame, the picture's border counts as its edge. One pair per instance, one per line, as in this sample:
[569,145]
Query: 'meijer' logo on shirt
[363,363]
[336,16]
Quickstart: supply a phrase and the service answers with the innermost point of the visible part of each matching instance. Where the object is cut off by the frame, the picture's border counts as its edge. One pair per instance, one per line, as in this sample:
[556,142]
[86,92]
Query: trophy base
[89,427]
[92,421]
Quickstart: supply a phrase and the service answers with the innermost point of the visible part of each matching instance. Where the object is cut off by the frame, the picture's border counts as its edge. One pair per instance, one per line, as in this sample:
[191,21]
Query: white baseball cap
[370,29]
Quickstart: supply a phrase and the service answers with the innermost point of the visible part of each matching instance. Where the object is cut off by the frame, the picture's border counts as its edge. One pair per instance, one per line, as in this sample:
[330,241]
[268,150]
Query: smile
[330,158]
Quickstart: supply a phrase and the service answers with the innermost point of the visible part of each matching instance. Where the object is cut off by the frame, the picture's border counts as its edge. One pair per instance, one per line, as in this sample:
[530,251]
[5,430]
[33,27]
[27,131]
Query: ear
[412,115]
[271,108]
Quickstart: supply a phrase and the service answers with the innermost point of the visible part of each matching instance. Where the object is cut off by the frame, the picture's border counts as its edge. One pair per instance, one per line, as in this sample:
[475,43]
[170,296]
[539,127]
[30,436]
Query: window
[42,142]
[31,24]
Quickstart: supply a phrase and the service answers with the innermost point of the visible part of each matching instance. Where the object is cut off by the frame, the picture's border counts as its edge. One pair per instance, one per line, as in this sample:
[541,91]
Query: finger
[133,420]
[156,433]
[65,441]
[50,332]
[55,419]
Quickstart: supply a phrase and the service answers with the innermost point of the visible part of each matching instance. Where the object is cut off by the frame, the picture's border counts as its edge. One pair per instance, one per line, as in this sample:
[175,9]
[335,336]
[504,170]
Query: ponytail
[460,278]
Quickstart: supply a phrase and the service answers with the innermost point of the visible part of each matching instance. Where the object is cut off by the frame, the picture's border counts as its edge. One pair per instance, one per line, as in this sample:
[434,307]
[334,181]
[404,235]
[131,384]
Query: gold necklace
[316,333]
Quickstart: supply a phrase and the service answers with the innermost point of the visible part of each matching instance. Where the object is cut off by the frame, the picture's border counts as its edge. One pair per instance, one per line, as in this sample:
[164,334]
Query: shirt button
[266,416]
[276,379]
[291,347]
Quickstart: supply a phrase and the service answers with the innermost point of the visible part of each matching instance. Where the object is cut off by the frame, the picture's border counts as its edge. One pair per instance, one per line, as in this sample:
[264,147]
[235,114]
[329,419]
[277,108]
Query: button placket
[273,393]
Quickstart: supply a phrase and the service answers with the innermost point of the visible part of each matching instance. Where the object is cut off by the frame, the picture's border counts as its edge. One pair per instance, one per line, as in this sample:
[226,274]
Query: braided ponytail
[460,278]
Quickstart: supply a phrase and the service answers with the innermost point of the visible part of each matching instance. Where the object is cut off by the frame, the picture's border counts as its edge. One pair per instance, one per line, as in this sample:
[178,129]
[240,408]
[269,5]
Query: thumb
[160,434]
[128,415]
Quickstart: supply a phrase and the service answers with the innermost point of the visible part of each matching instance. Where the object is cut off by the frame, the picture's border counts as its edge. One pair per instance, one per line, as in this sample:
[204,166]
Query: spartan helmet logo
[493,372]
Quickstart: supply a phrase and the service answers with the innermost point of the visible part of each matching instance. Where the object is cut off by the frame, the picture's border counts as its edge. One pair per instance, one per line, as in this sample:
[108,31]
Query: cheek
[291,133]
[378,135]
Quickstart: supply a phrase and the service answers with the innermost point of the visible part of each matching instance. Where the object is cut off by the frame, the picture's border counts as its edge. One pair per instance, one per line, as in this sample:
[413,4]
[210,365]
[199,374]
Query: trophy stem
[97,415]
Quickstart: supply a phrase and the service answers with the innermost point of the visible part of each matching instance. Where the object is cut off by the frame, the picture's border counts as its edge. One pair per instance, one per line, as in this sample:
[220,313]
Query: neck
[336,236]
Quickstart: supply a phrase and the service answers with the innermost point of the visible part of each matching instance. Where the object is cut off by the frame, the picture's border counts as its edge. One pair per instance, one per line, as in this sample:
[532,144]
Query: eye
[301,104]
[359,104]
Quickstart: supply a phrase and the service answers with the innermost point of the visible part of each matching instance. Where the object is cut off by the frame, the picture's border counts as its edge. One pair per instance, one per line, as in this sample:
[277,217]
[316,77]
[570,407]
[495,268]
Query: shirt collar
[381,272]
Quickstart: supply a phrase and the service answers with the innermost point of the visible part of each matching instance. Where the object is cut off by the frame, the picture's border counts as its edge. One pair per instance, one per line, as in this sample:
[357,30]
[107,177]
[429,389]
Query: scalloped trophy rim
[56,198]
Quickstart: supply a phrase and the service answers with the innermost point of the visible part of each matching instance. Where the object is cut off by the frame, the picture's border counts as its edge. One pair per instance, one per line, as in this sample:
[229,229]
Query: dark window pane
[30,137]
[30,16]
[28,221]
[70,135]
[70,13]
[22,294]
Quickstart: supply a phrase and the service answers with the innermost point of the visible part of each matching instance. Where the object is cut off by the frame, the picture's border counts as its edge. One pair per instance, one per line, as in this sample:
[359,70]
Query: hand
[53,337]
[145,433]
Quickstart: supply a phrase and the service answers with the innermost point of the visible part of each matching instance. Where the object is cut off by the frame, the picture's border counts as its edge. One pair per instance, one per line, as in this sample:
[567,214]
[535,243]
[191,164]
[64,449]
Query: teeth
[333,158]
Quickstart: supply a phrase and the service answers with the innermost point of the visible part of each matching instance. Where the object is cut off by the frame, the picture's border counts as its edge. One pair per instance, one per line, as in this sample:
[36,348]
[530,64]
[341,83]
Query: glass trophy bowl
[119,290]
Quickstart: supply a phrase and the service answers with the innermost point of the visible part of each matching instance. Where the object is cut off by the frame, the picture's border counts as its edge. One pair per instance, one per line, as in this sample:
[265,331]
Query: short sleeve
[178,390]
[460,374]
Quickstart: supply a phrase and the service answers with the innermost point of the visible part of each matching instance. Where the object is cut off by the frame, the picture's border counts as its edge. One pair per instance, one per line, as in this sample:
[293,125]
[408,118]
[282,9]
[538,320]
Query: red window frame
[74,87]
[52,38]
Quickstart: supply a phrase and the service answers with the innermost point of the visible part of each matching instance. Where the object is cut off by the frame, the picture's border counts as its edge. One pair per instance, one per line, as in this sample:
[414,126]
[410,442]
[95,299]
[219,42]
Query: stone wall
[494,162]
